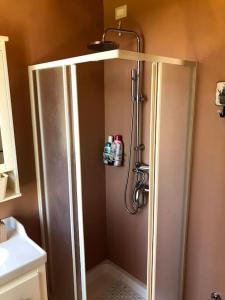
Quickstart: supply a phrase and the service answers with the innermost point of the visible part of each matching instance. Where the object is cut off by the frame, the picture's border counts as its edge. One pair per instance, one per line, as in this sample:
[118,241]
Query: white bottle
[118,151]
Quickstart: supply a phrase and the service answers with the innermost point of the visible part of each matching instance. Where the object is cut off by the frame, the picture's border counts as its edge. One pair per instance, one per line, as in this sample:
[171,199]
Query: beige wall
[39,31]
[194,29]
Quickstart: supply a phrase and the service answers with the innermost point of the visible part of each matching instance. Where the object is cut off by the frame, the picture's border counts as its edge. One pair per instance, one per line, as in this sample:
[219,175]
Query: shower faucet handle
[140,167]
[143,167]
[215,296]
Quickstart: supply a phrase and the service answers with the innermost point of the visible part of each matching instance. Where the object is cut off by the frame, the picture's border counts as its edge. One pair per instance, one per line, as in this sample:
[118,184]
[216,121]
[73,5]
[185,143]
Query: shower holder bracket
[139,99]
[140,147]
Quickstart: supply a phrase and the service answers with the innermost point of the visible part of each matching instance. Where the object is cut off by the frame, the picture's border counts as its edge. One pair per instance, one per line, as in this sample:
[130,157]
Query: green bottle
[107,149]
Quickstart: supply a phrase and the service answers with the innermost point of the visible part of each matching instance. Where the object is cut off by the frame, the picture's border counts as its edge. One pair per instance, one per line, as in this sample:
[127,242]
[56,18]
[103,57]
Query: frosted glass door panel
[173,128]
[55,182]
[1,150]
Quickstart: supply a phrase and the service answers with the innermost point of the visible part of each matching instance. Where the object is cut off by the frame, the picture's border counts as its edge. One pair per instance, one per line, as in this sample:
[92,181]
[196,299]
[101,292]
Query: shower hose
[139,188]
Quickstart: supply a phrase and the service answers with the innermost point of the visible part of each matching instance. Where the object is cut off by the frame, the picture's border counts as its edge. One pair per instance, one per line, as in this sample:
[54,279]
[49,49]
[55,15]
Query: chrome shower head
[100,46]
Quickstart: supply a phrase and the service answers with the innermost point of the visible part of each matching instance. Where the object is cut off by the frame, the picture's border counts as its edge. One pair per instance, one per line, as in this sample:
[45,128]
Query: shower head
[103,46]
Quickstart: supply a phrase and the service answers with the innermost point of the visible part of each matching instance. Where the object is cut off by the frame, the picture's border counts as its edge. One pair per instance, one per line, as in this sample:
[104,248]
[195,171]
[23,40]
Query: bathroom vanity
[9,181]
[22,265]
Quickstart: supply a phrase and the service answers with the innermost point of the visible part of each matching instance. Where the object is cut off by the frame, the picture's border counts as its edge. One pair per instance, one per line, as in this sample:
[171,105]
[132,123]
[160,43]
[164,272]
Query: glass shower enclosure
[74,103]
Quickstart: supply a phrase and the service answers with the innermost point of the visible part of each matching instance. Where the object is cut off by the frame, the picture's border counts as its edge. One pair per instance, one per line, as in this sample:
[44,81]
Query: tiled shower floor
[109,288]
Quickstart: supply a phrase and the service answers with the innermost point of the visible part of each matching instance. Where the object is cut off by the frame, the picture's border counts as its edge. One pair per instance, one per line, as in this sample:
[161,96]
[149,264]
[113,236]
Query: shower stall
[95,248]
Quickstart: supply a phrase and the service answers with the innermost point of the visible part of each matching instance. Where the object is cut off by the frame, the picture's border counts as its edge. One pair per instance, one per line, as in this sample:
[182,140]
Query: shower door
[172,127]
[56,141]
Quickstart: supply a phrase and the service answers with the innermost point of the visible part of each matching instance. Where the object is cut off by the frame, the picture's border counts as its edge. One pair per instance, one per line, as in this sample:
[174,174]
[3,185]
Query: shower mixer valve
[141,187]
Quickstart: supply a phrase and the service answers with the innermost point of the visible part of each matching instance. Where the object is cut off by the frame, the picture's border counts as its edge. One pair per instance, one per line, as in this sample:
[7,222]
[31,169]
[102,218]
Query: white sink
[19,254]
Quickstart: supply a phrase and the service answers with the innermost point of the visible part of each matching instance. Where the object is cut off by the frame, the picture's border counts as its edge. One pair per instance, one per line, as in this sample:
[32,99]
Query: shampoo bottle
[117,151]
[107,151]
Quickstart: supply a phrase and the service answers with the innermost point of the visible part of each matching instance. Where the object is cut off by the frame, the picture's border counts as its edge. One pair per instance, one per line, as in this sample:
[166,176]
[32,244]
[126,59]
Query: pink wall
[39,31]
[195,30]
[127,235]
[91,117]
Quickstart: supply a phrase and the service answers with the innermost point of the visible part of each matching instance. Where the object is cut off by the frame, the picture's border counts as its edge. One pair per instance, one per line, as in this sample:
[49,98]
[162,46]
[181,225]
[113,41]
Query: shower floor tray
[109,282]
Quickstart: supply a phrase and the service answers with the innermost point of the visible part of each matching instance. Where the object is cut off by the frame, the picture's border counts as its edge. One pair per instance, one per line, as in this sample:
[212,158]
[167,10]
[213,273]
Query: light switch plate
[121,12]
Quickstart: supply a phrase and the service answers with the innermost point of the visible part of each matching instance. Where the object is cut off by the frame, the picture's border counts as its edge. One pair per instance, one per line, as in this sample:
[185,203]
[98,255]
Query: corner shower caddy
[59,79]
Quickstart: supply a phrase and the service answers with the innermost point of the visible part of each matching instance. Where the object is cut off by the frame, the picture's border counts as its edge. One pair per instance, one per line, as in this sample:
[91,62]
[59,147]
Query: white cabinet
[22,265]
[31,286]
[8,161]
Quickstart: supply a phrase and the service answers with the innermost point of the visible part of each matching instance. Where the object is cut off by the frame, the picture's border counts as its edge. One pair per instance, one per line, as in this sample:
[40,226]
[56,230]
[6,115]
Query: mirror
[1,150]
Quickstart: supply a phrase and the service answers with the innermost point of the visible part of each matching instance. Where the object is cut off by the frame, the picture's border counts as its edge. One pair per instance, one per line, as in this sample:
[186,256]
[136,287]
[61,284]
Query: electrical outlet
[121,12]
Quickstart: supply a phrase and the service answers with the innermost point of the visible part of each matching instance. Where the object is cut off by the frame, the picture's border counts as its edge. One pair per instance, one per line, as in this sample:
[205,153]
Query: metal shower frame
[156,71]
